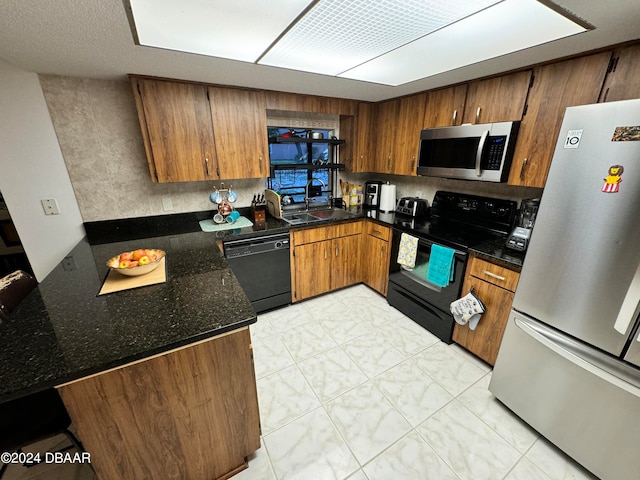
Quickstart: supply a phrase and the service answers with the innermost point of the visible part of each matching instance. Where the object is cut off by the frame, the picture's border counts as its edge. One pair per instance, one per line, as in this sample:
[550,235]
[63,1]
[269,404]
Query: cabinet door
[485,340]
[357,151]
[375,264]
[623,79]
[555,87]
[499,99]
[240,132]
[445,107]
[407,134]
[385,134]
[345,262]
[176,126]
[311,264]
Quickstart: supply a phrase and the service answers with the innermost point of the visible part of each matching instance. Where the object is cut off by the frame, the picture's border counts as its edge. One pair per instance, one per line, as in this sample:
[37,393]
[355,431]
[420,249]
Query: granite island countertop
[64,331]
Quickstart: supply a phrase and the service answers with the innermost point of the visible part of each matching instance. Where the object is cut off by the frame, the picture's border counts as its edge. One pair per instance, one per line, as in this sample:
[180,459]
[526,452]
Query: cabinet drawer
[495,274]
[378,231]
[310,235]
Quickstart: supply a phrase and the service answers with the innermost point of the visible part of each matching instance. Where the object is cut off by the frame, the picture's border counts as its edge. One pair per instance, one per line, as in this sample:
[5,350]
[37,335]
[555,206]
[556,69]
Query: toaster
[412,206]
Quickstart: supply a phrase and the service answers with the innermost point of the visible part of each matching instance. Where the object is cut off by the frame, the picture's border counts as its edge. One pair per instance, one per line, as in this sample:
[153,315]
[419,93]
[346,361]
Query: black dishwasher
[261,265]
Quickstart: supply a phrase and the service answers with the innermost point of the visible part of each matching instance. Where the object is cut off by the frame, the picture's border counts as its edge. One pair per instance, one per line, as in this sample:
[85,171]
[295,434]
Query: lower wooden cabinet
[494,286]
[375,256]
[325,259]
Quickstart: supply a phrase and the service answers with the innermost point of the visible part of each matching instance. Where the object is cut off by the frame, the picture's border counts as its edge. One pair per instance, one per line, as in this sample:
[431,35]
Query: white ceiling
[93,38]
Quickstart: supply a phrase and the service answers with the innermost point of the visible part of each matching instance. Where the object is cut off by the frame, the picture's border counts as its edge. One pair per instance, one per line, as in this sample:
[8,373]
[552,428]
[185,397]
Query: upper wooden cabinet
[177,130]
[555,87]
[623,79]
[294,102]
[498,99]
[445,107]
[357,152]
[240,132]
[193,132]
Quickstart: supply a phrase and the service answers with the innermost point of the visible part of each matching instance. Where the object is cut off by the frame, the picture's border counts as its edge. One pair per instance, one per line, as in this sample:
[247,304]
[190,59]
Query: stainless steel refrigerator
[569,363]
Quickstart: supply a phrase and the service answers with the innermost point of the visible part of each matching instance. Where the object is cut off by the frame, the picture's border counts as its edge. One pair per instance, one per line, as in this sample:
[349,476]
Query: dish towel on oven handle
[441,262]
[467,309]
[407,251]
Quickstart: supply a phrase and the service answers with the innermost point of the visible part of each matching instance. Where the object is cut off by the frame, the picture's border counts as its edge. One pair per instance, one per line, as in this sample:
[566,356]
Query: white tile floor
[349,388]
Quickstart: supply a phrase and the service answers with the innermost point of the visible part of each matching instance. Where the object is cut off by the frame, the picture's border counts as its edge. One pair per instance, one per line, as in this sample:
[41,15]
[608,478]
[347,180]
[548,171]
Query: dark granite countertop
[64,331]
[494,251]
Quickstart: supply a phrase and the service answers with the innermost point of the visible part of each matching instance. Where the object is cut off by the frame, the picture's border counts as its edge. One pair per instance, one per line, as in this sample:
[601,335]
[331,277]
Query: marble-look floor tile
[344,329]
[414,393]
[284,396]
[449,369]
[260,467]
[310,448]
[467,355]
[331,373]
[373,354]
[410,458]
[526,470]
[359,475]
[290,317]
[407,336]
[262,328]
[556,464]
[472,449]
[307,340]
[367,420]
[484,405]
[270,355]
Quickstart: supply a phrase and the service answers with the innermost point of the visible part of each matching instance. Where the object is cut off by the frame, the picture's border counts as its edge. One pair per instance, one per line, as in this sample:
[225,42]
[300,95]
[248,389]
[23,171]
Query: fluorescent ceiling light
[382,41]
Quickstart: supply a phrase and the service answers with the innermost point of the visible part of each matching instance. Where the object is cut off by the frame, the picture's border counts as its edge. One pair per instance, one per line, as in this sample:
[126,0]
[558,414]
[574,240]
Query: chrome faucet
[306,190]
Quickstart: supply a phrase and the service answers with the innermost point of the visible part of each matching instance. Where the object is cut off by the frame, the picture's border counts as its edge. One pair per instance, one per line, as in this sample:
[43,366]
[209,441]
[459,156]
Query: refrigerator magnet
[626,134]
[613,179]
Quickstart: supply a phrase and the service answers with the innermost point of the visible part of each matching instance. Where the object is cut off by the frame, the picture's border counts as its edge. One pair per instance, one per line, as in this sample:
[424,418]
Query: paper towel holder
[387,198]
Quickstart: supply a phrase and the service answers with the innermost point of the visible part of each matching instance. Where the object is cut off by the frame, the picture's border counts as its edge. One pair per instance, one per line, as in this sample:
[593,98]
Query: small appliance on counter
[387,198]
[521,234]
[413,206]
[372,194]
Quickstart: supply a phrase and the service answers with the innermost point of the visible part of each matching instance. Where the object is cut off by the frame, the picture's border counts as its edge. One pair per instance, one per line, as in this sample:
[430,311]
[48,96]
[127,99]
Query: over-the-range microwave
[470,152]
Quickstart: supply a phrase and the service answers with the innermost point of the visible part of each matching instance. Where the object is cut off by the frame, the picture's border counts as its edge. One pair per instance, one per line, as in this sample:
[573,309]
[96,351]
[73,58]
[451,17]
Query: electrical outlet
[69,263]
[167,204]
[50,206]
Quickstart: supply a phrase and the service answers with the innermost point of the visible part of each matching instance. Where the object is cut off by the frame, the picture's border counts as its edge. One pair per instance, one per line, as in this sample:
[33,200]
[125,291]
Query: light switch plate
[50,206]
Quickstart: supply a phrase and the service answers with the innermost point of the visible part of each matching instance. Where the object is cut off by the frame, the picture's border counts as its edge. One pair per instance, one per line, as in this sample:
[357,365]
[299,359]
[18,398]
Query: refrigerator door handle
[609,369]
[629,309]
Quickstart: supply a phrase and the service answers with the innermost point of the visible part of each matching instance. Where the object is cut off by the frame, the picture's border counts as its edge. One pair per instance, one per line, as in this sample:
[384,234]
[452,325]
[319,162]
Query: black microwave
[469,152]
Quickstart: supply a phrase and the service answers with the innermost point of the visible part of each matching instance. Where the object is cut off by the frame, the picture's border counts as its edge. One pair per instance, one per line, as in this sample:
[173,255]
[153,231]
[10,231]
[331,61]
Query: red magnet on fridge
[613,179]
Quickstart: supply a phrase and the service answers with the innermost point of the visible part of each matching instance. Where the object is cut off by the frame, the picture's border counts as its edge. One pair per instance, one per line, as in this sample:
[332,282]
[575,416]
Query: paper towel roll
[387,198]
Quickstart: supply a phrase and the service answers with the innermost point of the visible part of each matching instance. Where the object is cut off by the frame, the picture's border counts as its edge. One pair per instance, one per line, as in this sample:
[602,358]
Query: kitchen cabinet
[623,78]
[554,88]
[357,152]
[177,130]
[375,256]
[188,413]
[294,102]
[193,132]
[497,99]
[445,107]
[240,132]
[494,285]
[324,259]
[397,132]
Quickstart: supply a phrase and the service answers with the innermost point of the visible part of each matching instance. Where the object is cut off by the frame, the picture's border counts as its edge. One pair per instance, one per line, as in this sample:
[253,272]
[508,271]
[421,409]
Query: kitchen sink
[321,215]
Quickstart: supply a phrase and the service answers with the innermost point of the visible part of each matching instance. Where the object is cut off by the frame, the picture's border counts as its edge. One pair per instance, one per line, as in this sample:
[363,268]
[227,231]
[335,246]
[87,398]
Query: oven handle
[427,242]
[483,139]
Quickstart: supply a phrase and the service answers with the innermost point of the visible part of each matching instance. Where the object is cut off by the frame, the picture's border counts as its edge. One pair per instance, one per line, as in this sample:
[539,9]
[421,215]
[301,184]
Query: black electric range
[455,220]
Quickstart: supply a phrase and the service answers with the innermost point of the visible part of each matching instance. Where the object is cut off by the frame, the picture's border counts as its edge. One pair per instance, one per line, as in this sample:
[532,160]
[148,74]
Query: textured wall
[99,135]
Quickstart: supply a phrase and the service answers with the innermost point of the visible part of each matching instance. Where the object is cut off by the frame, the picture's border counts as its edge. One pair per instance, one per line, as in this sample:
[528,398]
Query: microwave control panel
[494,148]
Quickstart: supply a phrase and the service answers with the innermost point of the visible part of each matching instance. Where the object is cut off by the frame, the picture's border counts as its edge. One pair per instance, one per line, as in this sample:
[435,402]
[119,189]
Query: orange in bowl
[136,262]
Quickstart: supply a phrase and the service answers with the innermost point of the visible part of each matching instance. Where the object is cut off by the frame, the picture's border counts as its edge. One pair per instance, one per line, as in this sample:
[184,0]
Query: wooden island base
[191,413]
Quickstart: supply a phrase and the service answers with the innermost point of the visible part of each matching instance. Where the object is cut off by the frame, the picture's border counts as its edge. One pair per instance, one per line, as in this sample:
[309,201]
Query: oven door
[424,302]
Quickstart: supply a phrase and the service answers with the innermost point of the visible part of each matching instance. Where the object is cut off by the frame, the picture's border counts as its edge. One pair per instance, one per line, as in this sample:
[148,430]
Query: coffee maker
[521,234]
[372,194]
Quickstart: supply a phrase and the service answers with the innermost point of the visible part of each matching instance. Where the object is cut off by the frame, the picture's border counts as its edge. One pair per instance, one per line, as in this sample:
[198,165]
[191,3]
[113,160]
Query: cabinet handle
[389,162]
[337,250]
[260,164]
[493,275]
[325,252]
[413,163]
[522,169]
[206,163]
[455,117]
[478,115]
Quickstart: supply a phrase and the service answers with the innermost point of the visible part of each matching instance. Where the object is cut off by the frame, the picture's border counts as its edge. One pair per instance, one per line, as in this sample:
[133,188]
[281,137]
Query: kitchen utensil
[215,197]
[231,195]
[233,216]
[315,135]
[225,208]
[218,218]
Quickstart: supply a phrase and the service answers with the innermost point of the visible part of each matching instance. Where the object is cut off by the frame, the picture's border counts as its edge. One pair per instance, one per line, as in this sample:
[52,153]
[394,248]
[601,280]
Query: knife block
[258,211]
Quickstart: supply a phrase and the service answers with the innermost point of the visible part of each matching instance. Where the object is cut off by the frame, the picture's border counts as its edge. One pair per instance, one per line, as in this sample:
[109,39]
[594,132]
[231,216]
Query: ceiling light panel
[238,29]
[505,28]
[337,35]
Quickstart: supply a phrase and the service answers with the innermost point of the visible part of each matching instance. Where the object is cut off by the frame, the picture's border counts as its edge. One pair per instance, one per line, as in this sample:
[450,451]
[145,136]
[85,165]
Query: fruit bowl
[136,262]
